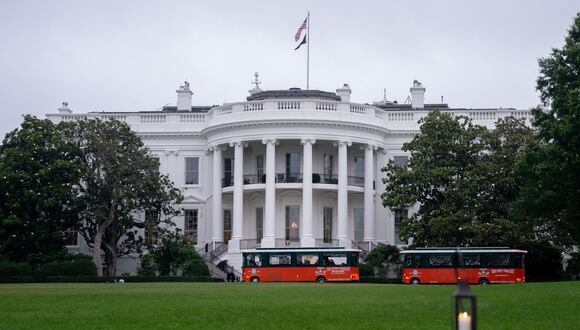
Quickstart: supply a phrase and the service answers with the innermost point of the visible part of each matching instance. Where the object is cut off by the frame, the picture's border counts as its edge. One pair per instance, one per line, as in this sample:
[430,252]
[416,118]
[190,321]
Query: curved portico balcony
[283,180]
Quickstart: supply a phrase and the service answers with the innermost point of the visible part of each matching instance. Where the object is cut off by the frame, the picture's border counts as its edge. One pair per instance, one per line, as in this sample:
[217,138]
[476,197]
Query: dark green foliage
[80,267]
[121,182]
[366,270]
[550,170]
[543,261]
[9,268]
[461,177]
[385,259]
[39,174]
[174,255]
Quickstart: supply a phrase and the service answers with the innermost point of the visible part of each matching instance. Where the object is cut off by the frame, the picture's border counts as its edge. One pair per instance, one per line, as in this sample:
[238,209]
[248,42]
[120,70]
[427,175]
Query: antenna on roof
[408,100]
[385,95]
[441,99]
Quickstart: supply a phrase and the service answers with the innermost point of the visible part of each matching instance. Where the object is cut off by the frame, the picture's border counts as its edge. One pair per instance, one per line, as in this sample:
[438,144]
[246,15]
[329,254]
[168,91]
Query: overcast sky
[132,55]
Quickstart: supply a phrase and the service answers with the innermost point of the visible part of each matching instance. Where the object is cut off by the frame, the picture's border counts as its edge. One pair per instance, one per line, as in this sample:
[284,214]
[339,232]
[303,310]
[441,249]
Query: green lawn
[280,306]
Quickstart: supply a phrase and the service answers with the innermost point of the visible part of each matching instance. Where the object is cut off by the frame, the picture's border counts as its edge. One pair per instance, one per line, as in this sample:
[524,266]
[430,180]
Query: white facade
[288,168]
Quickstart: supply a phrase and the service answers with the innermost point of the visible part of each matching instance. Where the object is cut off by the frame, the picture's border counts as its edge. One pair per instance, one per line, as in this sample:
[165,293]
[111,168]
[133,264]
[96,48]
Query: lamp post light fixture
[465,313]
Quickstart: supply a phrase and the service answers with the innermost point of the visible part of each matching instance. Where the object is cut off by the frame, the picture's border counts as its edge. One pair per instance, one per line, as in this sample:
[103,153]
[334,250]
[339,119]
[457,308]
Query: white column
[237,221]
[218,223]
[269,239]
[307,238]
[342,207]
[369,222]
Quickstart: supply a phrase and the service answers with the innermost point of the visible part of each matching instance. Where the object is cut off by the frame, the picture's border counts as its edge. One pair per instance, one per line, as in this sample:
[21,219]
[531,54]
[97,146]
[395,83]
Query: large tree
[121,183]
[458,182]
[550,169]
[39,174]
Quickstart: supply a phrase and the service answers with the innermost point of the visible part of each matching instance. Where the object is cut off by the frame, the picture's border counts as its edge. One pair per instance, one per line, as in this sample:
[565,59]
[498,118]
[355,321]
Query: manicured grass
[281,306]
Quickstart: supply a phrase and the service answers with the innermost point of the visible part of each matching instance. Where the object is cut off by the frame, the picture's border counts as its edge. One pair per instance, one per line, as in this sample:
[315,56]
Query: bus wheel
[484,281]
[255,280]
[415,281]
[321,279]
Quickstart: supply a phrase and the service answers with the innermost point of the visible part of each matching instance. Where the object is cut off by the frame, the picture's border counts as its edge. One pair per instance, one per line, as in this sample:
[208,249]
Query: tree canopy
[40,171]
[549,172]
[458,182]
[121,182]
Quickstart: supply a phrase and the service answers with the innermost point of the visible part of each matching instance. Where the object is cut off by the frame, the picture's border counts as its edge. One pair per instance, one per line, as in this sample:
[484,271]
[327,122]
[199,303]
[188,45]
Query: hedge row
[104,279]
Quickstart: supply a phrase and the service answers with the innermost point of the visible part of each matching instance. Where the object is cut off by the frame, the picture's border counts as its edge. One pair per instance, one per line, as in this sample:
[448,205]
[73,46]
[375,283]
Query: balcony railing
[288,177]
[325,178]
[254,178]
[358,181]
[228,181]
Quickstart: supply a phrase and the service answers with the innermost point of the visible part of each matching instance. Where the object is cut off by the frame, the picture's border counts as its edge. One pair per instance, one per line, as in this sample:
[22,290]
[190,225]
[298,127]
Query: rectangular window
[151,227]
[399,215]
[401,161]
[307,259]
[293,223]
[471,260]
[280,259]
[359,170]
[292,166]
[327,225]
[328,167]
[253,260]
[158,166]
[440,261]
[260,169]
[259,224]
[227,225]
[192,170]
[334,260]
[228,172]
[190,228]
[71,236]
[498,260]
[412,261]
[359,224]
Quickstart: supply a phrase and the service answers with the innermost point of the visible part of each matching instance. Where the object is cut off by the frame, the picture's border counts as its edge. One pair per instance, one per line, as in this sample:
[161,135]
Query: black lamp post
[465,311]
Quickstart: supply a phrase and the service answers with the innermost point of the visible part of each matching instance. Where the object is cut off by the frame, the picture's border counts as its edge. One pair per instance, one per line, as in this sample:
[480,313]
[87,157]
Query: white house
[284,167]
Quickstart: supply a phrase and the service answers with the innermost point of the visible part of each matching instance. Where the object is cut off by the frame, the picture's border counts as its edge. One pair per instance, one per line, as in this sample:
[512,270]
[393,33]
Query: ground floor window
[327,225]
[359,224]
[399,215]
[259,224]
[71,236]
[151,227]
[293,223]
[190,229]
[227,225]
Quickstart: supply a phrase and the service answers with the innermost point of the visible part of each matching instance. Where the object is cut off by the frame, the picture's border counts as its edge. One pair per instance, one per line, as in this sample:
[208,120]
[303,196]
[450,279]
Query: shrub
[366,270]
[148,266]
[386,260]
[8,268]
[79,267]
[195,267]
[573,268]
[543,261]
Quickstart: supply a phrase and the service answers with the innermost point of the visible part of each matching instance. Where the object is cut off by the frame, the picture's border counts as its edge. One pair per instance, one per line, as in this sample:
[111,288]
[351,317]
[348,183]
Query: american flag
[302,27]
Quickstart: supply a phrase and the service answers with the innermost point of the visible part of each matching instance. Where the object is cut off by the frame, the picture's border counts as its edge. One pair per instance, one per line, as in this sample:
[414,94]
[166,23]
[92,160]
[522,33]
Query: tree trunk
[97,260]
[110,259]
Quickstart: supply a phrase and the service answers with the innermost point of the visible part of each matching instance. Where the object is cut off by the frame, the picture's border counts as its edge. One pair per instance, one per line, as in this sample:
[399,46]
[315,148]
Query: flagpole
[308,55]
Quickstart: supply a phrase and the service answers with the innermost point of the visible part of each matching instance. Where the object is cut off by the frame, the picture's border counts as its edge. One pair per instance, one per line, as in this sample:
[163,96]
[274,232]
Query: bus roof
[463,250]
[302,249]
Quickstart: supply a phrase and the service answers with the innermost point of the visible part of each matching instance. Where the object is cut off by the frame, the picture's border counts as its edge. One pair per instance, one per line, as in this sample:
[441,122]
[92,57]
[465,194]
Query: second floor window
[328,167]
[399,215]
[192,170]
[151,227]
[260,168]
[292,165]
[401,161]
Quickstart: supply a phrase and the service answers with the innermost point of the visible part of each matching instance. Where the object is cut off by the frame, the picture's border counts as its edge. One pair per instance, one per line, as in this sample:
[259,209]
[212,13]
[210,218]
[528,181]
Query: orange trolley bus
[475,265]
[300,265]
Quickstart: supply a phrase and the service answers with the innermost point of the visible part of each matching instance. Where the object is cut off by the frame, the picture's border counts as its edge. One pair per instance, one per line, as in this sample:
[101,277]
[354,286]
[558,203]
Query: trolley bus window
[412,261]
[307,259]
[471,260]
[440,261]
[253,260]
[280,259]
[499,260]
[335,260]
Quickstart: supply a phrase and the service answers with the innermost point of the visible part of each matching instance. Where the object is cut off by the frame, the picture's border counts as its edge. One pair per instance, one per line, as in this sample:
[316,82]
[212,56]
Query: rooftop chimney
[64,109]
[344,93]
[417,95]
[184,97]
